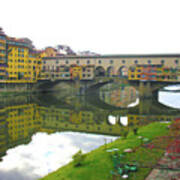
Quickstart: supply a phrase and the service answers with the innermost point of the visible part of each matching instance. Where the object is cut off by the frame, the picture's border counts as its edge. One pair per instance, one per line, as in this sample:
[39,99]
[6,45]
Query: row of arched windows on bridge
[100,71]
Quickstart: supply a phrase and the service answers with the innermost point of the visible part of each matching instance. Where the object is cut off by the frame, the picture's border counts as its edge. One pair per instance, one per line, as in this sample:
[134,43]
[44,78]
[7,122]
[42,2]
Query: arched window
[111,61]
[149,61]
[136,61]
[176,61]
[123,61]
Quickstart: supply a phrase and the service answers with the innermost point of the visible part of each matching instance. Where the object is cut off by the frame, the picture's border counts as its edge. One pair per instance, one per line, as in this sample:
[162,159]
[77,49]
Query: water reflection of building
[68,120]
[3,132]
[134,119]
[119,96]
[17,125]
[22,121]
[19,122]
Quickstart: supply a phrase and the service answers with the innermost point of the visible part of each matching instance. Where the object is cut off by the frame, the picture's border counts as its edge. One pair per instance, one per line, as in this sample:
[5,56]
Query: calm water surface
[41,133]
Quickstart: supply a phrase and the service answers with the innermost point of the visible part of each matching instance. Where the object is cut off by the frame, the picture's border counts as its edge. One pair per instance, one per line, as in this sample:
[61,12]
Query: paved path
[171,158]
[166,174]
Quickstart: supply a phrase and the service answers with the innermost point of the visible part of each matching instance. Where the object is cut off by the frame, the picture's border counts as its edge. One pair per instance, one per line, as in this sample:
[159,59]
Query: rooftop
[116,56]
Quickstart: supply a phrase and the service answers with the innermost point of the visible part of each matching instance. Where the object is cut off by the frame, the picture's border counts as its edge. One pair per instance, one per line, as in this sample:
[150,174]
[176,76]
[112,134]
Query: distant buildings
[20,62]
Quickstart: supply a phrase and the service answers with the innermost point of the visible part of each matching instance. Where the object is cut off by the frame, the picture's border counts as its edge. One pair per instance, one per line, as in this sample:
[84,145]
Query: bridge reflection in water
[22,116]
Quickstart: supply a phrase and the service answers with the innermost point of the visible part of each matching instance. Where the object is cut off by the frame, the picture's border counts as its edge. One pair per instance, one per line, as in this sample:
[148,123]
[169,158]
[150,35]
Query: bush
[78,158]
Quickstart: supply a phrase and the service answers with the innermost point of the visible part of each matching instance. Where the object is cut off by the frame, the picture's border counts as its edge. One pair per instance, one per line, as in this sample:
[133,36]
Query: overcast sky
[103,26]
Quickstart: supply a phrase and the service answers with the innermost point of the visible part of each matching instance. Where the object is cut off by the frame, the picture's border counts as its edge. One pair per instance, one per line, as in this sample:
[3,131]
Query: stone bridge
[112,65]
[145,89]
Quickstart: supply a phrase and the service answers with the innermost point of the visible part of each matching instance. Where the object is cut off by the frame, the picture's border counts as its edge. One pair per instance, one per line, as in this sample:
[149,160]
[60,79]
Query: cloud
[46,153]
[14,174]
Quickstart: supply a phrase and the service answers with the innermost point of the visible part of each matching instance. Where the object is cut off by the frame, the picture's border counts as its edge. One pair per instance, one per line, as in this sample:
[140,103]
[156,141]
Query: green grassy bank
[98,163]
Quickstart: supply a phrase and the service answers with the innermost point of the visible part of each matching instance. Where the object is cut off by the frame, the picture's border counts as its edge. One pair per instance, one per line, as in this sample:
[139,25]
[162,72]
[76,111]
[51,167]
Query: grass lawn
[98,163]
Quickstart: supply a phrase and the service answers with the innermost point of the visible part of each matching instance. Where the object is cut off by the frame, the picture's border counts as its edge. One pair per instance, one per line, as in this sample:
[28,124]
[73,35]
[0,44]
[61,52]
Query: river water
[40,133]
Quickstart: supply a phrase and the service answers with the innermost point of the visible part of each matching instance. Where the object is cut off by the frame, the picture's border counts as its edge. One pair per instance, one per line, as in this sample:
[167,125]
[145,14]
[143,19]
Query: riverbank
[98,163]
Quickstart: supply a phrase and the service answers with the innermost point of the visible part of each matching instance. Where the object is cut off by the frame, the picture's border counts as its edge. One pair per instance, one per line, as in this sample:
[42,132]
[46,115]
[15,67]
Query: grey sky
[104,26]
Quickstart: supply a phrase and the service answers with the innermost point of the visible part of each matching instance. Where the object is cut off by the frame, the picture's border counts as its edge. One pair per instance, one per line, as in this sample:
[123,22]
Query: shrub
[78,158]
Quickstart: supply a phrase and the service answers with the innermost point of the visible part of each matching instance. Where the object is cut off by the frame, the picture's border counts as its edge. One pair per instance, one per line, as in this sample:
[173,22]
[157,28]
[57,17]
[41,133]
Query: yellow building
[19,61]
[24,64]
[76,72]
[50,52]
[3,64]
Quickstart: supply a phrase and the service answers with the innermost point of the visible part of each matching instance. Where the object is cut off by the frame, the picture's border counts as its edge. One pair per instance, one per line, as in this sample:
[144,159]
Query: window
[111,61]
[123,61]
[77,62]
[88,61]
[136,61]
[99,61]
[67,62]
[149,61]
[162,61]
[176,61]
[57,62]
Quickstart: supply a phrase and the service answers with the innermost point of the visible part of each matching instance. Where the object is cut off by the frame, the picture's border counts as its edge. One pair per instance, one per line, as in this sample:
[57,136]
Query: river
[40,133]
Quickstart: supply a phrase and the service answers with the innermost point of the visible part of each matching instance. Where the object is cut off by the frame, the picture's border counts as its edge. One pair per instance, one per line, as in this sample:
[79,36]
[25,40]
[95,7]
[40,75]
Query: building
[154,73]
[52,69]
[3,60]
[50,52]
[19,62]
[24,64]
[113,65]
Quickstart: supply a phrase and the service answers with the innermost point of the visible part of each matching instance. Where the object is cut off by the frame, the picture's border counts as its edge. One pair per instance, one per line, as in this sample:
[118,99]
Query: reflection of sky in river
[46,153]
[170,99]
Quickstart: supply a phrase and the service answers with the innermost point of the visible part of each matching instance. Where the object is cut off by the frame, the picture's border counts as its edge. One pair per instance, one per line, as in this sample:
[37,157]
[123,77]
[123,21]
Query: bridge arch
[122,71]
[110,71]
[100,71]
